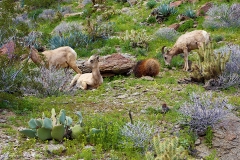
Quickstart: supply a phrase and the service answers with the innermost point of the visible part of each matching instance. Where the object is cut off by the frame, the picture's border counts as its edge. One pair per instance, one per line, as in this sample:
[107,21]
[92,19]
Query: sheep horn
[163,49]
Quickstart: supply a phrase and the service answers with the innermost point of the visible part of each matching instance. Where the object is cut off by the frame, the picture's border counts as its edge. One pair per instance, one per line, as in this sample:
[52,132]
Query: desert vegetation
[125,116]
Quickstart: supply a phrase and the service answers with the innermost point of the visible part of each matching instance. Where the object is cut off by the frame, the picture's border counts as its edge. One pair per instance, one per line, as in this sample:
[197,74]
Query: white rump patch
[206,36]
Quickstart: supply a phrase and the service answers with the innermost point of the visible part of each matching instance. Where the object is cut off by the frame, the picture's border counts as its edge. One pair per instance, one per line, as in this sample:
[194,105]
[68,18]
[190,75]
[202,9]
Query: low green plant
[186,25]
[39,4]
[209,137]
[151,19]
[151,4]
[218,38]
[212,156]
[103,131]
[163,11]
[56,128]
[190,13]
[75,39]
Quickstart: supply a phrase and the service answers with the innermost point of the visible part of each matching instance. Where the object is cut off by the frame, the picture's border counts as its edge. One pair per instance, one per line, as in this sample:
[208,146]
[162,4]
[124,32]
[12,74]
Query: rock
[182,17]
[174,26]
[73,14]
[89,147]
[132,2]
[203,150]
[204,8]
[148,78]
[111,65]
[4,156]
[198,142]
[85,2]
[8,49]
[55,147]
[125,10]
[122,96]
[175,4]
[192,1]
[226,138]
[3,120]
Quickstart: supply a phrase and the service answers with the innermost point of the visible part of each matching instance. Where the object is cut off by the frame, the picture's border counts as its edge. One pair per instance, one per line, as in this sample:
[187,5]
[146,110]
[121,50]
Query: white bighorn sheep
[89,80]
[184,44]
[62,57]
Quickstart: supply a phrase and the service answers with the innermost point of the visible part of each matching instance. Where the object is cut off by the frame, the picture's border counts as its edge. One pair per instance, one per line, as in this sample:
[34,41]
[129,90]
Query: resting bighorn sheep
[61,57]
[184,44]
[89,80]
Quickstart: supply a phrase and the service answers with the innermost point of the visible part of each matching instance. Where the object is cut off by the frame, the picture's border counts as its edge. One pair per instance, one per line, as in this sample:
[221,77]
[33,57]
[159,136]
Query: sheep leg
[74,81]
[83,85]
[75,68]
[185,59]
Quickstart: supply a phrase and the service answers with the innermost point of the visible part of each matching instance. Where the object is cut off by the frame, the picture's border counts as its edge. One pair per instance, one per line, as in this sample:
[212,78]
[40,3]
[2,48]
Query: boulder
[204,8]
[132,2]
[226,138]
[110,65]
[175,4]
[174,26]
[8,49]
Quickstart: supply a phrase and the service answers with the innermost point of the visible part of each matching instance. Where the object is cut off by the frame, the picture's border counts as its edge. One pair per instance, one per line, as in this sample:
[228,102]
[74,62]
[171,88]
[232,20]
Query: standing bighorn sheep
[184,44]
[89,80]
[61,57]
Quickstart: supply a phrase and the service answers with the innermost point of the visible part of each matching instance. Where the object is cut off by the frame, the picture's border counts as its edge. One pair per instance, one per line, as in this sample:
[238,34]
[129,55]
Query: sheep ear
[97,58]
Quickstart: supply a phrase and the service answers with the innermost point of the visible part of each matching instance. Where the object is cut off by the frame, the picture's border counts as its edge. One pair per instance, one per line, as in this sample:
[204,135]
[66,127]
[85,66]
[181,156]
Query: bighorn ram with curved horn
[61,57]
[184,44]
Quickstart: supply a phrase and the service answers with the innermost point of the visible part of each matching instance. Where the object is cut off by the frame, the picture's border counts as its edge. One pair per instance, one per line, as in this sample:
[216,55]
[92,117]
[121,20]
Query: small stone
[135,94]
[198,142]
[147,78]
[122,96]
[52,148]
[3,121]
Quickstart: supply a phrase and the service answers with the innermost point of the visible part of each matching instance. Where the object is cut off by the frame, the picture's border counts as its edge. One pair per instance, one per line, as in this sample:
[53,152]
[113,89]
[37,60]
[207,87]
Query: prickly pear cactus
[56,127]
[168,149]
[77,129]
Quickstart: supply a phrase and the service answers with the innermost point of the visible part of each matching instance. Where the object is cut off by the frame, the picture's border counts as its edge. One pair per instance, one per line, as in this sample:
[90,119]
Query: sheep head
[166,55]
[92,61]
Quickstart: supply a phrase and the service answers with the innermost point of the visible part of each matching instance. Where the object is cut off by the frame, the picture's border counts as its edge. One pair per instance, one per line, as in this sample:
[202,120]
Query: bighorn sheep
[184,44]
[89,80]
[61,57]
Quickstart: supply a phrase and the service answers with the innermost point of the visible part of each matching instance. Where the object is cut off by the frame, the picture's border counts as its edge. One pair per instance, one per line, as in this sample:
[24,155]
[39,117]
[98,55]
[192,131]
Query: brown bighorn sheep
[184,44]
[61,57]
[89,80]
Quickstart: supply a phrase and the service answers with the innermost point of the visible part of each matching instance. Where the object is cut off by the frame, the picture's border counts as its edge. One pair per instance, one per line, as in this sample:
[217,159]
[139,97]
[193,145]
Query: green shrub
[209,137]
[151,19]
[12,77]
[185,26]
[163,11]
[106,131]
[166,33]
[74,40]
[190,13]
[218,38]
[35,13]
[39,3]
[47,82]
[151,4]
[223,16]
